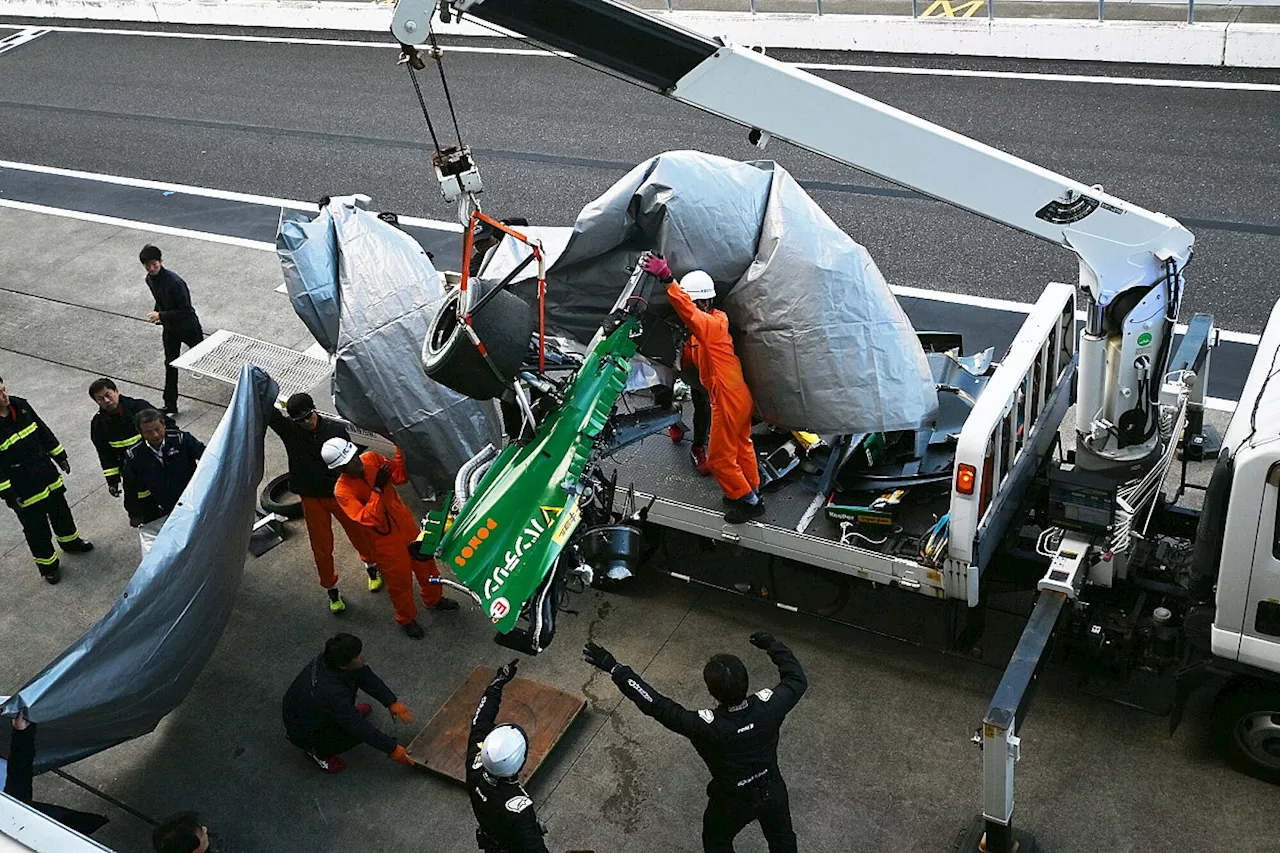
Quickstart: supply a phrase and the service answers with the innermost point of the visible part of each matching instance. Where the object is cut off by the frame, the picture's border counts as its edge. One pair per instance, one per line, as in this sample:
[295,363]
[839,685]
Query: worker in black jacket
[172,311]
[507,820]
[19,772]
[303,433]
[31,486]
[320,714]
[157,469]
[114,428]
[738,740]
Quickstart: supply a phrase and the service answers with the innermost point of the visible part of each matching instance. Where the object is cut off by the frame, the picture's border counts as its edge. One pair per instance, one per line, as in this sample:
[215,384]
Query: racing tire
[279,498]
[1245,728]
[505,324]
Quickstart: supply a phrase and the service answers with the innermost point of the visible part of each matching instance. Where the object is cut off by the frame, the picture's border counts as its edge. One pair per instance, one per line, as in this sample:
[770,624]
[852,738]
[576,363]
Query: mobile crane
[1129,576]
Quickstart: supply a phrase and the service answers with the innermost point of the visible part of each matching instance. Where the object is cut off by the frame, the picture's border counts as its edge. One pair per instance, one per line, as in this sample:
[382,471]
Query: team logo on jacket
[518,804]
[499,608]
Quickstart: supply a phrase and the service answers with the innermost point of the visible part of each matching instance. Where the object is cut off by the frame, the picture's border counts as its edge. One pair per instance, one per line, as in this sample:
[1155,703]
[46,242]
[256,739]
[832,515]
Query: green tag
[1144,339]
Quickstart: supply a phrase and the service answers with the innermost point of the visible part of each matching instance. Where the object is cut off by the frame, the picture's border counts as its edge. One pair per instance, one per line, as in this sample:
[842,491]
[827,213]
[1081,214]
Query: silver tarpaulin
[389,293]
[308,252]
[138,663]
[824,344]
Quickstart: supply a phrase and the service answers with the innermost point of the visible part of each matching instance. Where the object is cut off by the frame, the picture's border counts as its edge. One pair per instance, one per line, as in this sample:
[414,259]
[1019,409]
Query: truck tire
[277,497]
[505,325]
[1246,728]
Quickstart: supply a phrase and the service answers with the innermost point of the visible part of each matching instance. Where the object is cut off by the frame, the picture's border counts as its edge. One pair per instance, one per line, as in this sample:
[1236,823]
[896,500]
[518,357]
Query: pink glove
[657,267]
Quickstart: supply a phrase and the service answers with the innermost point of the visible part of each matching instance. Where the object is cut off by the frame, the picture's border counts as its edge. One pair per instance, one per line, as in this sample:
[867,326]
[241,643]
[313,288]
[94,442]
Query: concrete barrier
[1160,42]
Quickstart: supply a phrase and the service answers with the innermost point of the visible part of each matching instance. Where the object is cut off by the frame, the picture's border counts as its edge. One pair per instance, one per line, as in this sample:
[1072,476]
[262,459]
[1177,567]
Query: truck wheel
[1246,729]
[277,497]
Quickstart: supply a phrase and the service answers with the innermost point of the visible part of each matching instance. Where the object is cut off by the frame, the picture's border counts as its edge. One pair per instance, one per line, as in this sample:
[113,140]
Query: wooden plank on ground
[544,713]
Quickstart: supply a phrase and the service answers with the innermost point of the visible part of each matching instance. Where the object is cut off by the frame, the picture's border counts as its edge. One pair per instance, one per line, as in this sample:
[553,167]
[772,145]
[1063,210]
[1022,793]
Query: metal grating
[222,355]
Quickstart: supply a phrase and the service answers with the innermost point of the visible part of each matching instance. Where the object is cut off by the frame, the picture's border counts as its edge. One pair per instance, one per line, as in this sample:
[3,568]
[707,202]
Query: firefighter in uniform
[157,469]
[31,487]
[495,755]
[738,740]
[114,429]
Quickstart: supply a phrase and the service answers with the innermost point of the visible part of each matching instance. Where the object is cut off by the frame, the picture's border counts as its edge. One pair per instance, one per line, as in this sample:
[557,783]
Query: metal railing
[752,7]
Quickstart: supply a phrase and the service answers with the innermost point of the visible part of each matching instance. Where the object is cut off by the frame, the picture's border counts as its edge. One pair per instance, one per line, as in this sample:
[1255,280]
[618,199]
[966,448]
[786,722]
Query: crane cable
[411,60]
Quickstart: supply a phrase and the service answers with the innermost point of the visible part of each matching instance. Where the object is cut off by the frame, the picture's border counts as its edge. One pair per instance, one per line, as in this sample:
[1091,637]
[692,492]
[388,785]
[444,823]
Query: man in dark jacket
[320,714]
[114,428]
[174,313]
[31,487]
[508,823]
[738,740]
[303,433]
[19,772]
[157,469]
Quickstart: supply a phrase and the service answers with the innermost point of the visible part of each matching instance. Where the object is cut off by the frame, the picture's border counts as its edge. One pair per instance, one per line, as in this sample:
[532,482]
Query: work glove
[113,486]
[400,755]
[135,521]
[655,266]
[383,477]
[763,640]
[505,673]
[599,657]
[64,462]
[401,712]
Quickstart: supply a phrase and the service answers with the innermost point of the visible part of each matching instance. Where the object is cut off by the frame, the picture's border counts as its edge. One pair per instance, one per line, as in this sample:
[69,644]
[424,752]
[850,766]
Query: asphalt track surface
[302,121]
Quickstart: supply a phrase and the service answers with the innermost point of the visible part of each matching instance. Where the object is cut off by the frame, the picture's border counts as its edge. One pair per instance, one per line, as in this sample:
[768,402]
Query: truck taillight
[966,477]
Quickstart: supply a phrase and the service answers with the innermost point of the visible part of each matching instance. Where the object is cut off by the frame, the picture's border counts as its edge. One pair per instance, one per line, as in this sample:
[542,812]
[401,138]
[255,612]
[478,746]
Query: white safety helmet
[337,452]
[698,285]
[504,751]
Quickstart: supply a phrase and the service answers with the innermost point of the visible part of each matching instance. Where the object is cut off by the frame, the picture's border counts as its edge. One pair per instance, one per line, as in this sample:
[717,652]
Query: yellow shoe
[336,604]
[375,580]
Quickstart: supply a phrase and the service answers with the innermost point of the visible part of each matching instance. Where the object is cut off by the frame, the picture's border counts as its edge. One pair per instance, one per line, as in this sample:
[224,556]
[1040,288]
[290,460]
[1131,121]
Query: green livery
[506,539]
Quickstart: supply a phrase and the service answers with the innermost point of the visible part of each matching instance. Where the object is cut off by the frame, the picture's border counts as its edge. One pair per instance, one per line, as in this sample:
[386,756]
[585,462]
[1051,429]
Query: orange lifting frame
[464,314]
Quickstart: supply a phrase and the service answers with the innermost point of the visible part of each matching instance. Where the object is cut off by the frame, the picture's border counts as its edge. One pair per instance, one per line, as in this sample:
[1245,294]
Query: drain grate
[222,355]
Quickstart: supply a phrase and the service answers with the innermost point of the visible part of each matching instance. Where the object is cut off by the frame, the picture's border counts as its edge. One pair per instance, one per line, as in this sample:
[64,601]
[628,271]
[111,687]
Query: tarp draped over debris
[368,293]
[138,663]
[824,344]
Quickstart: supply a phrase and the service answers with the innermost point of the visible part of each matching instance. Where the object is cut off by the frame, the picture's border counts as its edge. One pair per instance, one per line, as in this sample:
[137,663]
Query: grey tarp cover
[824,344]
[308,251]
[390,292]
[138,663]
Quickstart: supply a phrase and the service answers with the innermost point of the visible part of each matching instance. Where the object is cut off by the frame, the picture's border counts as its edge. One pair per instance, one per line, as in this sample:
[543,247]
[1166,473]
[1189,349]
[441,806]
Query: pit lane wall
[1159,42]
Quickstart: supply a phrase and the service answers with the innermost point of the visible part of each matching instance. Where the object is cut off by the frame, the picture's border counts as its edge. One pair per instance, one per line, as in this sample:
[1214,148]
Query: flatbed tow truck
[1157,597]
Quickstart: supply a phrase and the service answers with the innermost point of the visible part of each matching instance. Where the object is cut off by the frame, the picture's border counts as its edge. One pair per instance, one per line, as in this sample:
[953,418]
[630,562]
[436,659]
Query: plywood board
[545,713]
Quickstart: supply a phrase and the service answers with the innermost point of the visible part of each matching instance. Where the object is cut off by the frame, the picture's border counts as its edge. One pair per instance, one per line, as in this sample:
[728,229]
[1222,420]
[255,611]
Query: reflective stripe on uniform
[46,561]
[145,494]
[39,496]
[73,537]
[111,472]
[57,451]
[16,437]
[4,485]
[125,443]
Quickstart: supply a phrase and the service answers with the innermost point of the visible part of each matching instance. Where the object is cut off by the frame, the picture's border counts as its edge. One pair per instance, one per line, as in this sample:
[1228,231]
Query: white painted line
[21,37]
[1046,78]
[141,226]
[1219,404]
[226,195]
[806,66]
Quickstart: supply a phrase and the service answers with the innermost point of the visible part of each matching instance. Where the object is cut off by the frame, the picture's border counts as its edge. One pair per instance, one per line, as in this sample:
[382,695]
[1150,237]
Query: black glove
[64,462]
[763,640]
[599,657]
[135,521]
[383,477]
[113,486]
[505,673]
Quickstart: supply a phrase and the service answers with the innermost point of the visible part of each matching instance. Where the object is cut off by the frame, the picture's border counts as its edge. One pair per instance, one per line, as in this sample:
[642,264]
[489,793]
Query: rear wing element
[1008,434]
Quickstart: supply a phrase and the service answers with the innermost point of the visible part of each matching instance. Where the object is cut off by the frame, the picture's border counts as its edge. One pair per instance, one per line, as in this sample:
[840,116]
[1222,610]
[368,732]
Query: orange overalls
[731,454]
[392,529]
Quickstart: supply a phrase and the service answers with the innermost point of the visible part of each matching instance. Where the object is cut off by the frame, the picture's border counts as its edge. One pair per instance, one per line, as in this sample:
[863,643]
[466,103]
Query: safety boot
[336,604]
[414,630]
[375,577]
[78,545]
[740,511]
